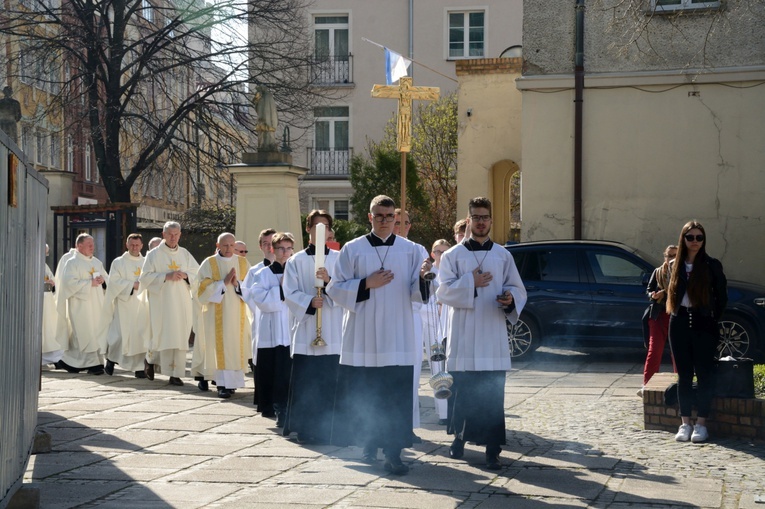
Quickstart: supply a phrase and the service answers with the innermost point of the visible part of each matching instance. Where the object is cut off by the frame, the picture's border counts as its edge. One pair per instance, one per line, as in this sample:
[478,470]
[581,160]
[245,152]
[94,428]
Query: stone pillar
[59,193]
[267,197]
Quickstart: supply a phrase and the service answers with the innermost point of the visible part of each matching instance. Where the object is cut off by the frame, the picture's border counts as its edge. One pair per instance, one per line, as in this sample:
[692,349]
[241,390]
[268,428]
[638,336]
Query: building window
[147,10]
[26,142]
[69,154]
[331,154]
[679,5]
[88,169]
[467,34]
[42,148]
[331,50]
[338,209]
[55,151]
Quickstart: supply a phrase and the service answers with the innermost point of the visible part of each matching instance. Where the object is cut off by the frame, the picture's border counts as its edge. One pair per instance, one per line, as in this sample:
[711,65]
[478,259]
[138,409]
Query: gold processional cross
[405,92]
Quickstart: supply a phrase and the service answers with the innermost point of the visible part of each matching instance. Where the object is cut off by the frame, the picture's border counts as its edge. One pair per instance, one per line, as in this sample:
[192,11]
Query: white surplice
[299,290]
[274,323]
[222,343]
[51,349]
[126,314]
[379,330]
[476,323]
[83,303]
[249,280]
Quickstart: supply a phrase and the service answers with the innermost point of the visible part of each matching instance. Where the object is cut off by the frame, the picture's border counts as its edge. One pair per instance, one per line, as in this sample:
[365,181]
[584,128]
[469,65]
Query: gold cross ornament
[173,266]
[405,92]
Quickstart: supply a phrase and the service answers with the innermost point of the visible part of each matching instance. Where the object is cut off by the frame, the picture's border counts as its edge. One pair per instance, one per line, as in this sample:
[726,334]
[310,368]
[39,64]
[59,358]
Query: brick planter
[730,417]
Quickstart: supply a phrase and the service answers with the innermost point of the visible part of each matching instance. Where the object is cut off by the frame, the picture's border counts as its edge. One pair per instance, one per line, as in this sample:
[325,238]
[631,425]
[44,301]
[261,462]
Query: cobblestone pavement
[575,439]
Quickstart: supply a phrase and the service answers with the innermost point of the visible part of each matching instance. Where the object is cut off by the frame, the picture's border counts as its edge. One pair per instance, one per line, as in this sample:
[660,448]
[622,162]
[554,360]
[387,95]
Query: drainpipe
[578,100]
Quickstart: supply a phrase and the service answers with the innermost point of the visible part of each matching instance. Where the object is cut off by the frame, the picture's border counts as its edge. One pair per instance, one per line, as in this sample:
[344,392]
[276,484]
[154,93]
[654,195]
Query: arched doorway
[506,201]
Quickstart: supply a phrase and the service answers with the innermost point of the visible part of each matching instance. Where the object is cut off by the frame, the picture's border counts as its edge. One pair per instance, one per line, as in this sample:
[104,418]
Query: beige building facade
[672,130]
[436,33]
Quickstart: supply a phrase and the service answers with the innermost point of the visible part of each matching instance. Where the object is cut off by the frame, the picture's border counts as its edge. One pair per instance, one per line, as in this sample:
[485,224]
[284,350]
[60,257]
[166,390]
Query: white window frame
[88,167]
[147,11]
[331,205]
[43,147]
[69,154]
[332,120]
[55,150]
[332,27]
[466,11]
[685,5]
[27,133]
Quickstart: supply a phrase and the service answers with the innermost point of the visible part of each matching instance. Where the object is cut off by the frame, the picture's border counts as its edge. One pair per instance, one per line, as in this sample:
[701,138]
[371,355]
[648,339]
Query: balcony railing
[332,70]
[330,163]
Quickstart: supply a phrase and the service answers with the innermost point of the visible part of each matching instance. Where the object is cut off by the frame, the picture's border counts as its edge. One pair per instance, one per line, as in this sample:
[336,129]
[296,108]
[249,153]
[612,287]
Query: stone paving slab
[574,439]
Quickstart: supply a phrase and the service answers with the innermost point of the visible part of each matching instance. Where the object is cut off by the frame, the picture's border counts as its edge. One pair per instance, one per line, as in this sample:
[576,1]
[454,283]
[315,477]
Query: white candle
[319,258]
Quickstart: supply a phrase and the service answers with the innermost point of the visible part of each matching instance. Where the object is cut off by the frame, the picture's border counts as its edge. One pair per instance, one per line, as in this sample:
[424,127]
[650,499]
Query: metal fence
[330,163]
[23,205]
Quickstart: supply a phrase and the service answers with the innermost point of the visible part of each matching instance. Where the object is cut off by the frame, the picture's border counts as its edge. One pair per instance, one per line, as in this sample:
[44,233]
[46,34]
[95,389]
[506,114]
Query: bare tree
[157,84]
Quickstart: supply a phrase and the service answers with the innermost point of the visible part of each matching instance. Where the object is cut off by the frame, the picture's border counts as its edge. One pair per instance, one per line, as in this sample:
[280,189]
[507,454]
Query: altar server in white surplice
[169,274]
[81,298]
[377,277]
[274,364]
[479,282]
[264,242]
[126,312]
[310,408]
[222,341]
[52,350]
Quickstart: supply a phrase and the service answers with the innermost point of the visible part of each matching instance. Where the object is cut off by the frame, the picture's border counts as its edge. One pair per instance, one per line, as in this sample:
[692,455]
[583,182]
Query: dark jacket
[718,293]
[655,308]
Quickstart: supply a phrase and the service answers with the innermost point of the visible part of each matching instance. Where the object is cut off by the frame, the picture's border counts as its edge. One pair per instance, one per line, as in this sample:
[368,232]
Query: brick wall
[730,417]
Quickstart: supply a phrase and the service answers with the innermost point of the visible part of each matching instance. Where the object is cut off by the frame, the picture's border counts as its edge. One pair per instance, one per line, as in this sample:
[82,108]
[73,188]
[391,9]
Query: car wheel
[523,337]
[736,338]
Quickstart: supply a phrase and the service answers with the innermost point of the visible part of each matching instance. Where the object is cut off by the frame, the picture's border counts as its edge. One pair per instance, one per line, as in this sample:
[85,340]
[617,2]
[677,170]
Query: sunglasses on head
[690,237]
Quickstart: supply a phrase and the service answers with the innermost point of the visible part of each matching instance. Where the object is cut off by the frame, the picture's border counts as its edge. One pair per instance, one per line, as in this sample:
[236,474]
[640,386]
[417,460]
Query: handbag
[734,378]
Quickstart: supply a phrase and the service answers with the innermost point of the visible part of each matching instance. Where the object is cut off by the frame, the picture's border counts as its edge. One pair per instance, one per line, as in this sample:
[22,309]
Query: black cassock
[312,397]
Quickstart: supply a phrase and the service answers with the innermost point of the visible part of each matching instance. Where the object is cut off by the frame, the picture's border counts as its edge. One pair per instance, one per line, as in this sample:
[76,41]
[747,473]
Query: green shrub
[759,380]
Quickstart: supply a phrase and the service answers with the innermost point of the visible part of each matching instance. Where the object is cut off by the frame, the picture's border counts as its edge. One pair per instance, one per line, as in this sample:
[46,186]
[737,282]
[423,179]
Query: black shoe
[443,422]
[223,393]
[492,458]
[96,370]
[174,380]
[395,466]
[148,369]
[457,449]
[140,374]
[204,386]
[268,415]
[416,439]
[63,365]
[369,455]
[109,368]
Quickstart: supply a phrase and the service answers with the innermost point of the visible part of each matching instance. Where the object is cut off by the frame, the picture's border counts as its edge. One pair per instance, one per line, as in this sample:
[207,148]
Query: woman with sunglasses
[696,298]
[658,319]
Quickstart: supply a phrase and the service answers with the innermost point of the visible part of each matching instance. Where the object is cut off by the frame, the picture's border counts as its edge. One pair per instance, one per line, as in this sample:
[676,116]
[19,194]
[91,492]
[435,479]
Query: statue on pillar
[265,108]
[10,114]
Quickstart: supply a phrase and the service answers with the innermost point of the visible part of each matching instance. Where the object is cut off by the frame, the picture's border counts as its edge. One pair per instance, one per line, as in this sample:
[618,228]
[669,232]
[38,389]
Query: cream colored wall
[491,133]
[652,161]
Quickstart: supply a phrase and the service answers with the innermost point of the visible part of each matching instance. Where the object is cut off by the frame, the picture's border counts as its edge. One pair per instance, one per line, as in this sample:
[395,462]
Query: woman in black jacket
[696,298]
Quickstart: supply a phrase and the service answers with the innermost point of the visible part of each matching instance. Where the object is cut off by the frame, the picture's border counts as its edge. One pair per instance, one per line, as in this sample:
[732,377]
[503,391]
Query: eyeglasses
[284,249]
[439,252]
[690,238]
[379,218]
[478,219]
[407,223]
[245,251]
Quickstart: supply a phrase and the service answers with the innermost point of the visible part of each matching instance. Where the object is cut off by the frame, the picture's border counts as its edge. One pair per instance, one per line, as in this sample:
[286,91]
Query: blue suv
[594,292]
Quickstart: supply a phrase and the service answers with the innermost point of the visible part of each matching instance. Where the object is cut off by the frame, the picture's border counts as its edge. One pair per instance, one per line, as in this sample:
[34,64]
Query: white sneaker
[684,433]
[700,434]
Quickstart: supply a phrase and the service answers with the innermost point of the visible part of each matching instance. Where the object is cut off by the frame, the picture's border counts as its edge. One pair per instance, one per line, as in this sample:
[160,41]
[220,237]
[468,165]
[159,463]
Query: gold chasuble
[223,340]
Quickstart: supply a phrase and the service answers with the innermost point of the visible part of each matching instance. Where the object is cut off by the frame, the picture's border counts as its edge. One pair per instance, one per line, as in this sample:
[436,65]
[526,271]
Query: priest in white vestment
[310,410]
[480,283]
[169,275]
[126,312]
[222,341]
[81,298]
[376,279]
[52,350]
[63,329]
[272,356]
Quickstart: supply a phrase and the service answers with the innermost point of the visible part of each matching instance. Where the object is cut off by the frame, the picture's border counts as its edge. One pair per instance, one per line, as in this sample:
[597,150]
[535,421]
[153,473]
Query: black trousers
[694,352]
[477,407]
[272,379]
